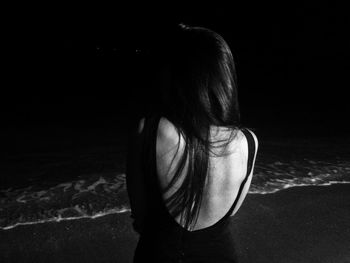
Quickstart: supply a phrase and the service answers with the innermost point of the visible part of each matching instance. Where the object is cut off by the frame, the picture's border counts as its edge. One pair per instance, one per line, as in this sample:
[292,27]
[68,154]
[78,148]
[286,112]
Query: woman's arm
[135,178]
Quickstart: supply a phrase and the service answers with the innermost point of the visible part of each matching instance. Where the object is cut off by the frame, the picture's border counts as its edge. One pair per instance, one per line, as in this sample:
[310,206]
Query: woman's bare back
[225,176]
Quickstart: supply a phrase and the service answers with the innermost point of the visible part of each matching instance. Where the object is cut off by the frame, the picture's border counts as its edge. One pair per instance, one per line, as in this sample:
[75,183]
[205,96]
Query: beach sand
[301,224]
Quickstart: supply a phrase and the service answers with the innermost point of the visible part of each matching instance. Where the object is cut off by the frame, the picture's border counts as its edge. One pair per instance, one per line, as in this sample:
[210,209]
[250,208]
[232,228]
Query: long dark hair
[201,92]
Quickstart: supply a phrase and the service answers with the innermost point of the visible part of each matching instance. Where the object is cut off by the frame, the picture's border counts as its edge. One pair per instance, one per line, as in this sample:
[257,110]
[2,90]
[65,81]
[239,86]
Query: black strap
[251,153]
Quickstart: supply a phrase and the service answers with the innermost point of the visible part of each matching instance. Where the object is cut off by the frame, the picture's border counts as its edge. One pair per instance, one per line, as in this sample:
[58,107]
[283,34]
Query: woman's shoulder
[167,133]
[168,136]
[167,129]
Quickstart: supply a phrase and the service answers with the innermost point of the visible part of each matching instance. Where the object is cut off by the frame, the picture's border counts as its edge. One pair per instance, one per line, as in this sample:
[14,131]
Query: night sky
[90,69]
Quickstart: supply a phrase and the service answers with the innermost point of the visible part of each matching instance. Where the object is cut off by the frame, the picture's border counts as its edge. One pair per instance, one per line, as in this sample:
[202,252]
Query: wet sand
[302,224]
[296,225]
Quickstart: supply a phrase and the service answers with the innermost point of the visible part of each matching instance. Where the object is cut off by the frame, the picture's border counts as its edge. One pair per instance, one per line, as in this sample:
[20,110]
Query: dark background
[82,71]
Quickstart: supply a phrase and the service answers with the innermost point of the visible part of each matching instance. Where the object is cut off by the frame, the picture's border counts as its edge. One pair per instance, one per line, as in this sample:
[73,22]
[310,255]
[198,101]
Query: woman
[190,163]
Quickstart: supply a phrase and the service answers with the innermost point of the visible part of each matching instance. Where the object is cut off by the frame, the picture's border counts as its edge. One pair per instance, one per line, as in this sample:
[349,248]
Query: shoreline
[298,224]
[127,209]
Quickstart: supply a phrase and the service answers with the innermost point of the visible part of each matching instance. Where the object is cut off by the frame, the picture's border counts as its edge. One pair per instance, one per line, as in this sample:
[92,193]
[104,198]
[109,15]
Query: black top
[162,239]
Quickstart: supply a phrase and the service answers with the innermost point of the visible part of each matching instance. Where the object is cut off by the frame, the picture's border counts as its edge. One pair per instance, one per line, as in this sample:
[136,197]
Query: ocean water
[60,186]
